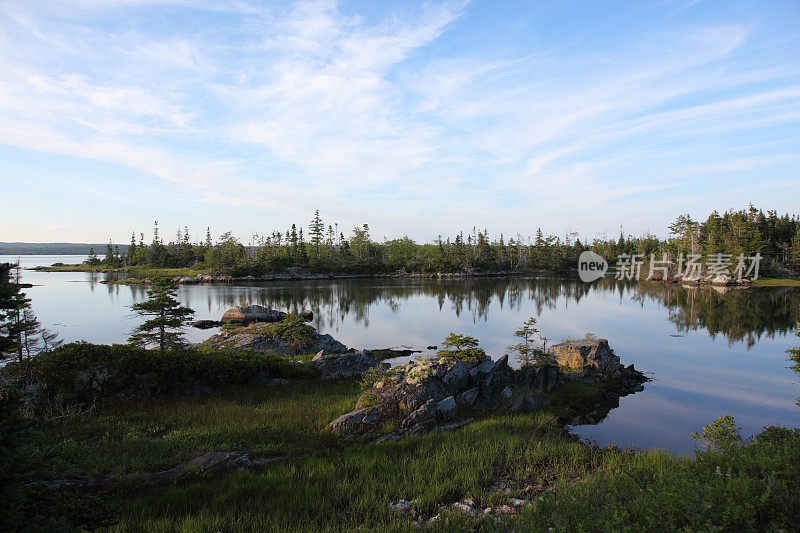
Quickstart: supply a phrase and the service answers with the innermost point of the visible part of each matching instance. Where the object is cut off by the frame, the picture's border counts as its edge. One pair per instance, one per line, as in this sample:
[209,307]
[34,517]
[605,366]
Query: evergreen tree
[794,251]
[316,233]
[528,354]
[92,260]
[302,253]
[132,249]
[109,254]
[15,324]
[169,317]
[11,305]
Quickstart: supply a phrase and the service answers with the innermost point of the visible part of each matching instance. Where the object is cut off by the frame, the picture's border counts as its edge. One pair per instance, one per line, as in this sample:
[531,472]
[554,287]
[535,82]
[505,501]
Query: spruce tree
[9,311]
[316,232]
[169,317]
[92,259]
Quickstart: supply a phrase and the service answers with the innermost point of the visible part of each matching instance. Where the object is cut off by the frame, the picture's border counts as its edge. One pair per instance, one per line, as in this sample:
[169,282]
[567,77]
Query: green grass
[572,487]
[353,487]
[161,433]
[776,282]
[327,485]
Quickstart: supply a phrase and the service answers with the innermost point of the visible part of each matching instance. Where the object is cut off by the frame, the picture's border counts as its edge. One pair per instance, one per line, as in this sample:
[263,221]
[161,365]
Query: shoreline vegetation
[220,439]
[141,276]
[250,431]
[269,425]
[327,252]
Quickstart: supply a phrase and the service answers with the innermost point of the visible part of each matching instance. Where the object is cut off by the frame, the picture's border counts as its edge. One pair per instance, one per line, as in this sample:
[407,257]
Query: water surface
[709,352]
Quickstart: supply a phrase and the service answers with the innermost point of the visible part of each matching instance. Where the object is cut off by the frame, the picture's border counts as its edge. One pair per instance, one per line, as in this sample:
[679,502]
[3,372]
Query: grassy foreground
[325,485]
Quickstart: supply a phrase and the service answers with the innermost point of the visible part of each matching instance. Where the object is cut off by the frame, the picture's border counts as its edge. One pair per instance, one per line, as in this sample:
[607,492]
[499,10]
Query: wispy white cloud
[252,105]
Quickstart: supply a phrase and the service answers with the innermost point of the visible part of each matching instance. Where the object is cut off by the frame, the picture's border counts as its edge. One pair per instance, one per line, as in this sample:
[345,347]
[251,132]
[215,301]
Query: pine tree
[132,249]
[109,254]
[9,311]
[316,232]
[794,251]
[302,253]
[14,323]
[169,317]
[528,355]
[92,259]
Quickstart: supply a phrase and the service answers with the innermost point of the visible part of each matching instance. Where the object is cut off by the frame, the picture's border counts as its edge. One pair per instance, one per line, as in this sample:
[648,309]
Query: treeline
[324,248]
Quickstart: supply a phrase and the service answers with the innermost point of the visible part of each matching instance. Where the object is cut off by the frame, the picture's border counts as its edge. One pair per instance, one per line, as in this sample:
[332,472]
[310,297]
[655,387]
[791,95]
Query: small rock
[401,506]
[464,507]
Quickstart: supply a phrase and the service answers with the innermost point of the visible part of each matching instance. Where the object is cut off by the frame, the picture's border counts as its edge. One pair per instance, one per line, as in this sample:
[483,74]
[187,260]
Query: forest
[322,247]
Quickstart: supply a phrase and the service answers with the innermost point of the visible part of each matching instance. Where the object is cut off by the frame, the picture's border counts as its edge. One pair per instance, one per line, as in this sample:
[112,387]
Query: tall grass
[162,432]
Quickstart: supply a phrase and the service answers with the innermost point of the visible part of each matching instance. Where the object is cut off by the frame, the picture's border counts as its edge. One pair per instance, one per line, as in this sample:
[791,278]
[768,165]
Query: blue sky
[417,118]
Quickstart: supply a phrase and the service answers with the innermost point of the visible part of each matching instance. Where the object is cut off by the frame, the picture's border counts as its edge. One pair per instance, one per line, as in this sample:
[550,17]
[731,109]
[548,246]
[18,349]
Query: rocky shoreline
[290,274]
[439,394]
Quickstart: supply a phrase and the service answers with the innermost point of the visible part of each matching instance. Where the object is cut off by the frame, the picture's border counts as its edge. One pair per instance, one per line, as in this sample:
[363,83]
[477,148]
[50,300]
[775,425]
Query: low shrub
[84,372]
[462,348]
[294,330]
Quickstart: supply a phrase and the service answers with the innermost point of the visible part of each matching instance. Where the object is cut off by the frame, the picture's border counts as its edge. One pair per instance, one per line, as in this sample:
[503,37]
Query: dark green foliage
[794,356]
[721,434]
[9,339]
[27,501]
[748,231]
[83,372]
[294,330]
[169,317]
[528,354]
[14,322]
[463,348]
[752,486]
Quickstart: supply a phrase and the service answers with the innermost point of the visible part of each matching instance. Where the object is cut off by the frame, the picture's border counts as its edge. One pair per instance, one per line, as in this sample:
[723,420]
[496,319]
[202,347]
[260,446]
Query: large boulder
[259,340]
[356,423]
[543,378]
[497,378]
[526,404]
[343,365]
[247,314]
[588,358]
[457,377]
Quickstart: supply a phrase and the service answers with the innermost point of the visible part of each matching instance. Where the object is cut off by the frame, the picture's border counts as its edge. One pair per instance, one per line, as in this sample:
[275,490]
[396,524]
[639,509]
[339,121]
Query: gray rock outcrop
[248,314]
[431,394]
[343,365]
[262,337]
[590,359]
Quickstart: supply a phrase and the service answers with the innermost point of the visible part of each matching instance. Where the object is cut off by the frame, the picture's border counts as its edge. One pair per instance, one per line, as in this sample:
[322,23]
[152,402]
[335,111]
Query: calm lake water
[709,353]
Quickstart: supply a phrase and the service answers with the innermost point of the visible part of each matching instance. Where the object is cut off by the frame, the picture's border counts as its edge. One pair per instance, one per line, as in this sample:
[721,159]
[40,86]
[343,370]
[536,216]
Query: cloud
[398,113]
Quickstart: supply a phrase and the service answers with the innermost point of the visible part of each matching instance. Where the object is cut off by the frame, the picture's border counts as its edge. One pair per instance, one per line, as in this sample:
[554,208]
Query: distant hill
[55,248]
